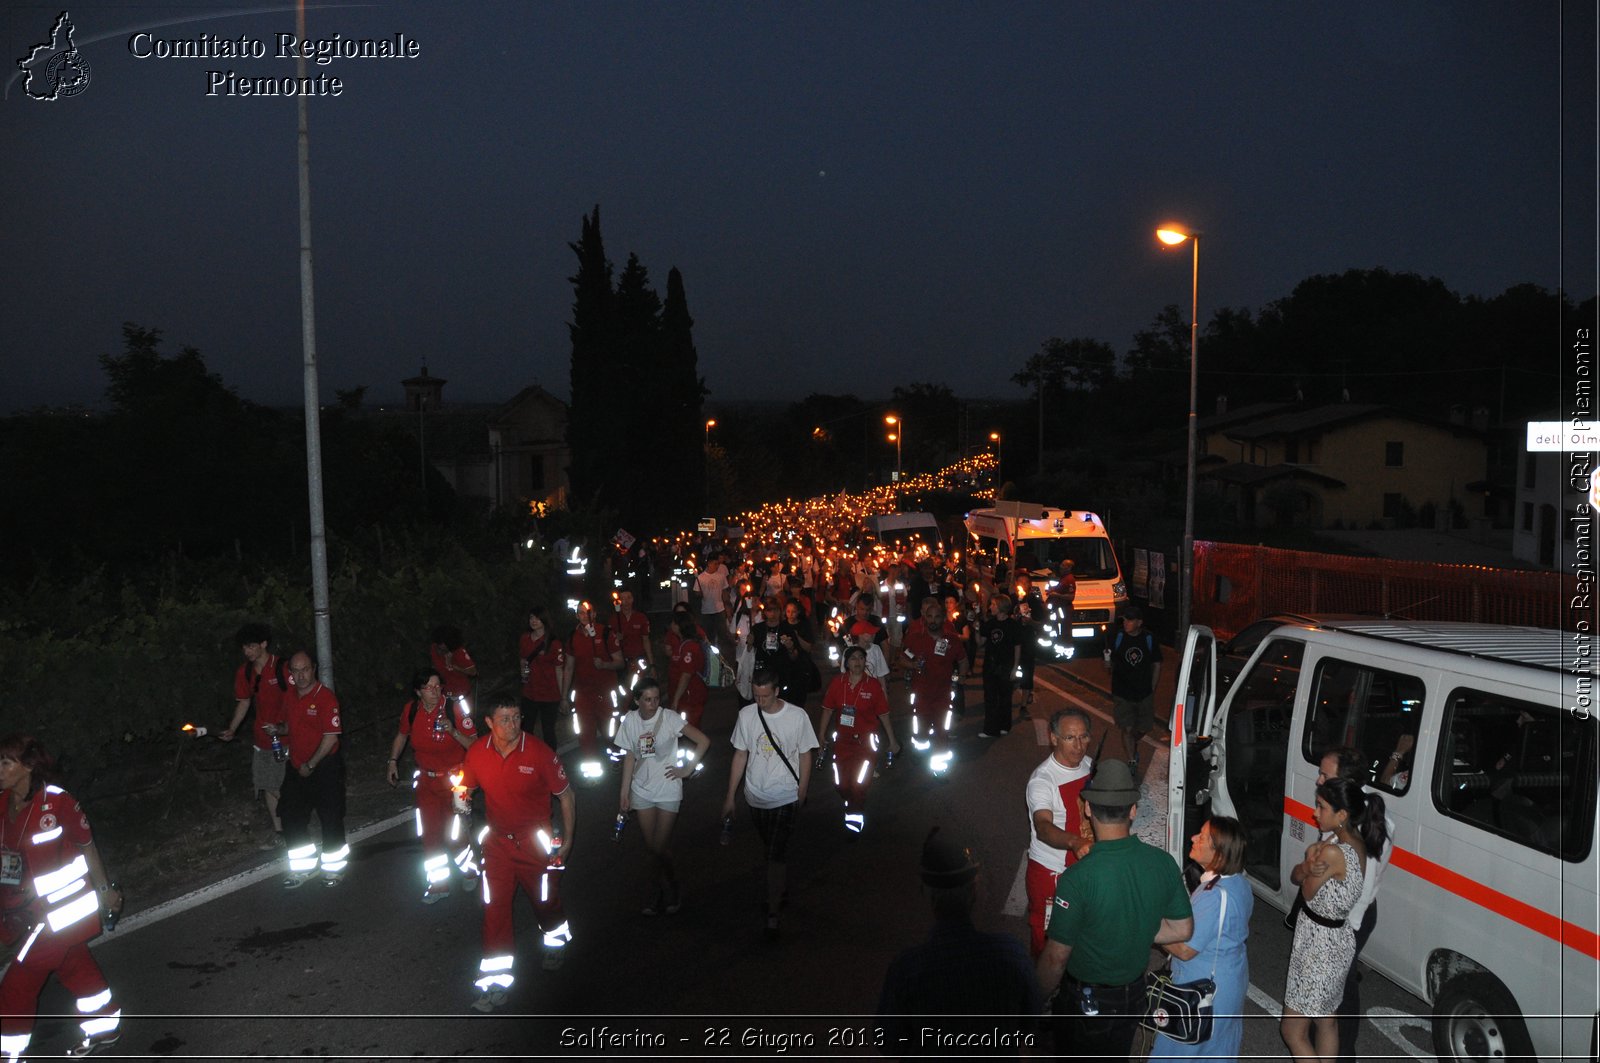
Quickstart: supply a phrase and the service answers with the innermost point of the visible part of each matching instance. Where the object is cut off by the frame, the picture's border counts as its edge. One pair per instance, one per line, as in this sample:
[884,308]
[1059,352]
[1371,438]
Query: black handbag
[1183,1010]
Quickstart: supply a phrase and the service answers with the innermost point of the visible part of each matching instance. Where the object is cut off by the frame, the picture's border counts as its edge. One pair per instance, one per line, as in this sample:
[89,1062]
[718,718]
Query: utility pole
[320,612]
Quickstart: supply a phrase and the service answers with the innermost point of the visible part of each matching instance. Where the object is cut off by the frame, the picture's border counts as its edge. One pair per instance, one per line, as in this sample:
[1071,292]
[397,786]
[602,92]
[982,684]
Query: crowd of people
[844,658]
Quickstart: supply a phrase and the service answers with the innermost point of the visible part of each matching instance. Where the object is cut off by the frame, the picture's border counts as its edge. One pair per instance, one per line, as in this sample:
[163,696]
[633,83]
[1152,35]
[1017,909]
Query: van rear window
[1519,769]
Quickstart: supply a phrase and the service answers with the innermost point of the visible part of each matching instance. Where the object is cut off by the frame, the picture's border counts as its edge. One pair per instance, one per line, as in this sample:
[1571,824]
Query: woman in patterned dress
[1330,880]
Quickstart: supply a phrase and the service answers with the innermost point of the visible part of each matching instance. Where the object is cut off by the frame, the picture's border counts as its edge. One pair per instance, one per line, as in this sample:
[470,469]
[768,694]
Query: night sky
[859,195]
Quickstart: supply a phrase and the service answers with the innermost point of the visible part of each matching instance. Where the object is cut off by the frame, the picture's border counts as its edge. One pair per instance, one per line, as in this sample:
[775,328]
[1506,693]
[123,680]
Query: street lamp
[897,429]
[994,437]
[1173,236]
[710,424]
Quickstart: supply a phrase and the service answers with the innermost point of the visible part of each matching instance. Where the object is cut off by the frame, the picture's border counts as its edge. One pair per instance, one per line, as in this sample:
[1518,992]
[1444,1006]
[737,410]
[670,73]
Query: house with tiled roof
[1351,465]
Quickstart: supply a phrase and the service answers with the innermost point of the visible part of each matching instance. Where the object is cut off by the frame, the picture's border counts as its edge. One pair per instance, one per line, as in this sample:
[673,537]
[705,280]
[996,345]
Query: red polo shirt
[268,694]
[517,787]
[310,716]
[632,632]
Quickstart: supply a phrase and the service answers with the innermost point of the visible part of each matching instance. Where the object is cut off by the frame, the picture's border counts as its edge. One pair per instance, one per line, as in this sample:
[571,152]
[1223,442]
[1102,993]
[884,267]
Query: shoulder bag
[1182,1010]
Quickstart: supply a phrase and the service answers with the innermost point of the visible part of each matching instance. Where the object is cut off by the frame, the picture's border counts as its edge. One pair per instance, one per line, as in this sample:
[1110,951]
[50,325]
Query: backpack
[280,668]
[1149,642]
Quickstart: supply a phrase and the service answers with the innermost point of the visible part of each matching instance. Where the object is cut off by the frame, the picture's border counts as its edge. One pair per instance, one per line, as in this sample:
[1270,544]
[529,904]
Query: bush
[95,663]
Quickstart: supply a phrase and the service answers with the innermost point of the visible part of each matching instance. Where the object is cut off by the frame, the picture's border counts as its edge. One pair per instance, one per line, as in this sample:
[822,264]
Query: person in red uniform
[632,630]
[593,661]
[439,733]
[855,707]
[673,639]
[518,775]
[936,657]
[688,660]
[451,660]
[48,910]
[259,684]
[544,672]
[315,779]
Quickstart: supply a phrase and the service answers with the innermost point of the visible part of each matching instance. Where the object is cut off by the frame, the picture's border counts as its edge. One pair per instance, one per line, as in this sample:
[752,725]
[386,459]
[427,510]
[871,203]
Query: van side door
[1189,766]
[1250,741]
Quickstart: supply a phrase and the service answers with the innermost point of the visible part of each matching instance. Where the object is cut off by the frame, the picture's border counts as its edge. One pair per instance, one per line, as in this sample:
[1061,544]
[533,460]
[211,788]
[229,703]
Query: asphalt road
[246,968]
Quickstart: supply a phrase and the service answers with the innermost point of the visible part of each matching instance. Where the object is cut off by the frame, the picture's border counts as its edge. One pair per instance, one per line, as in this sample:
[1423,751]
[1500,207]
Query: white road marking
[1392,1023]
[271,869]
[1259,998]
[1017,900]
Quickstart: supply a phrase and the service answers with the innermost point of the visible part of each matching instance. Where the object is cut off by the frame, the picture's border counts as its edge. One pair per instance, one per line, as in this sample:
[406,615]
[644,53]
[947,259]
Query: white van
[1481,740]
[905,530]
[1034,537]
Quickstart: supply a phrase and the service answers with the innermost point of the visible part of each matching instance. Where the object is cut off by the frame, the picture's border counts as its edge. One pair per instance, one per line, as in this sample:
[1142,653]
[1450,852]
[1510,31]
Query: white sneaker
[94,1043]
[489,999]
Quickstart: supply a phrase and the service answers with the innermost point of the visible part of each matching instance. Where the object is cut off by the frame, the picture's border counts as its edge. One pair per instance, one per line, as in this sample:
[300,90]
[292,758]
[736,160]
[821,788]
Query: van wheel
[1475,1018]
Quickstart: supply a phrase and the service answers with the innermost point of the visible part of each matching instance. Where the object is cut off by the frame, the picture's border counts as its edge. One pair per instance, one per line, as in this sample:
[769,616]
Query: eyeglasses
[435,685]
[1080,737]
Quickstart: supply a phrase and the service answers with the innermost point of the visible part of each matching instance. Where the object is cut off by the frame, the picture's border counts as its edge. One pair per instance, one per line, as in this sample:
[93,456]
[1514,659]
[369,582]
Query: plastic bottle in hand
[727,831]
[279,754]
[622,824]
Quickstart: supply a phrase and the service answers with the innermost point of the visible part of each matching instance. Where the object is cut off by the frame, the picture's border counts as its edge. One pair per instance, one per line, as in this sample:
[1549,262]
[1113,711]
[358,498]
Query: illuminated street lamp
[994,437]
[897,429]
[710,424]
[1173,236]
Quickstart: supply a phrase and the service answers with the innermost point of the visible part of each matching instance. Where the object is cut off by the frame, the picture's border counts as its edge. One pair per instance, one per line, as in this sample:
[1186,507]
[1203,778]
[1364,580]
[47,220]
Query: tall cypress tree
[635,398]
[683,394]
[593,332]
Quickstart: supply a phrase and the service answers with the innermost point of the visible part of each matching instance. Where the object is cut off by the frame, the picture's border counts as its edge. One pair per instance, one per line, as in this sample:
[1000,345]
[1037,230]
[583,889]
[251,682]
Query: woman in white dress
[652,782]
[1330,879]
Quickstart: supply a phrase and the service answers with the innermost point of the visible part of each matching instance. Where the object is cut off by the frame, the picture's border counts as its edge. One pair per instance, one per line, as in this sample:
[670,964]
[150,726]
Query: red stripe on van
[1536,919]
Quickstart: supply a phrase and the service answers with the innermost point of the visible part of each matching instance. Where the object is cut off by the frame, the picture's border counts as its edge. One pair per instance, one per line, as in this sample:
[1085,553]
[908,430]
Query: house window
[1392,503]
[1527,516]
[1530,470]
[1394,454]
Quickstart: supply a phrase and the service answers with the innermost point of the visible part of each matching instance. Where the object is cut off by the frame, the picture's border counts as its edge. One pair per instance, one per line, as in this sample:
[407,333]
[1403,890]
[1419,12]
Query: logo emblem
[55,69]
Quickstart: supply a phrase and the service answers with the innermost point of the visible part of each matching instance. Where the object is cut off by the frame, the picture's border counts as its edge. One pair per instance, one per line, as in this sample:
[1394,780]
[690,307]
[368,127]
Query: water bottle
[727,831]
[1089,1006]
[108,918]
[889,759]
[279,754]
[622,823]
[441,722]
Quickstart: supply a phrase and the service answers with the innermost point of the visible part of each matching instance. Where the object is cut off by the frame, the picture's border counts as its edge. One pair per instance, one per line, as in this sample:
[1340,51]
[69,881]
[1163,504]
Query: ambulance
[1026,535]
[1481,740]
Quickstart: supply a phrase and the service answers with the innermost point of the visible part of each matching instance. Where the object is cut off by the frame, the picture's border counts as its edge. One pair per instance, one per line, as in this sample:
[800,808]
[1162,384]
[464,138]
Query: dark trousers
[542,713]
[996,703]
[323,793]
[1108,1034]
[1350,1007]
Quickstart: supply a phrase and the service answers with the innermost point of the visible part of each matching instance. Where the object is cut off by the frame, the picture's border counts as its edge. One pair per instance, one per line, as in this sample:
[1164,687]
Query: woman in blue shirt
[1222,903]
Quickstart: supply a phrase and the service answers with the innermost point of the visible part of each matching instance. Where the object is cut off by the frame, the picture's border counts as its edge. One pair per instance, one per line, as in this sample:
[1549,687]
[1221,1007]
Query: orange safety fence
[1235,584]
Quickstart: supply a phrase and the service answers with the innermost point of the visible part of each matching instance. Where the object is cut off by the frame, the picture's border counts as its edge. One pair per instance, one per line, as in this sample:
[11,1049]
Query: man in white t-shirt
[712,586]
[772,741]
[1054,816]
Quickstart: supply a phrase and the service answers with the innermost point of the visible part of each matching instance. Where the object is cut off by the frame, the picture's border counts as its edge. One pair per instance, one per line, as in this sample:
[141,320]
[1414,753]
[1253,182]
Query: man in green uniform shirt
[1109,909]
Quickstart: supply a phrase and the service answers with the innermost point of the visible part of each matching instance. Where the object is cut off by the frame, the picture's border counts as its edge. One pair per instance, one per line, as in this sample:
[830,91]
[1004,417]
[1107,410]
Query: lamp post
[710,424]
[994,437]
[897,428]
[1173,236]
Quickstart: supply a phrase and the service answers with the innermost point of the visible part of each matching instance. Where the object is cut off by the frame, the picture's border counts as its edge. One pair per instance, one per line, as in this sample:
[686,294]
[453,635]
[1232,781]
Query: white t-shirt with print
[767,782]
[654,745]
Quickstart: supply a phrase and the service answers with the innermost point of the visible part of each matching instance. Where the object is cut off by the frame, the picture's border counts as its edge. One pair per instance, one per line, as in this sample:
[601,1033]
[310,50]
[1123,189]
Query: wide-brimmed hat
[1112,785]
[946,864]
